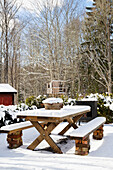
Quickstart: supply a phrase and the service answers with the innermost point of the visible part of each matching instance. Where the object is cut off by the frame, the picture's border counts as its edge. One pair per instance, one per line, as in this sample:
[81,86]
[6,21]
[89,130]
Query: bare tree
[53,42]
[8,11]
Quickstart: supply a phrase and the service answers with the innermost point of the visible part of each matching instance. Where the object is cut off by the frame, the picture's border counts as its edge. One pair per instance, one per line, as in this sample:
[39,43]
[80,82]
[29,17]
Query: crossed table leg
[71,124]
[45,133]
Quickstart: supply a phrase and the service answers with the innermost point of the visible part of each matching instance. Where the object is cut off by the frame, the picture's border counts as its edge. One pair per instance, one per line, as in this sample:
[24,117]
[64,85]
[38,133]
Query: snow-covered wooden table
[51,119]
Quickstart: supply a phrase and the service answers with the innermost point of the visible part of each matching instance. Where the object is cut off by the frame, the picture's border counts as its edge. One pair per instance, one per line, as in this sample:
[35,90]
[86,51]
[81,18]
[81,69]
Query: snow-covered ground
[99,158]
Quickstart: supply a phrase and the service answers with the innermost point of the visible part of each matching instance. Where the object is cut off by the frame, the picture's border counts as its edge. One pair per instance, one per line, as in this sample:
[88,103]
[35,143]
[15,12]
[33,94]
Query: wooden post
[82,146]
[15,139]
[98,134]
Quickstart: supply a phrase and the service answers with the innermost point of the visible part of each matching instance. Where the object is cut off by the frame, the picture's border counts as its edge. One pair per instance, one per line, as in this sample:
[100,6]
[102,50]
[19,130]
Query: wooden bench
[14,131]
[81,135]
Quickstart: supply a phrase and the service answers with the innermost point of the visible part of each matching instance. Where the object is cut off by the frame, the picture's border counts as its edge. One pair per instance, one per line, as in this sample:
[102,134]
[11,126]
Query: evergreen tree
[98,42]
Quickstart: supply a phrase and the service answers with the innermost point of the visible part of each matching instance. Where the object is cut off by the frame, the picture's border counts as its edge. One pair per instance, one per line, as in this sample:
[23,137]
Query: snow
[7,88]
[107,100]
[84,130]
[16,125]
[65,111]
[13,109]
[100,156]
[2,114]
[53,100]
[71,100]
[111,107]
[89,99]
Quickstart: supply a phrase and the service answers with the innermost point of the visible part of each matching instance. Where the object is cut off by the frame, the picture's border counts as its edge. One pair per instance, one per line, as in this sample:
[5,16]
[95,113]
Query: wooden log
[15,135]
[98,134]
[14,139]
[82,146]
[15,145]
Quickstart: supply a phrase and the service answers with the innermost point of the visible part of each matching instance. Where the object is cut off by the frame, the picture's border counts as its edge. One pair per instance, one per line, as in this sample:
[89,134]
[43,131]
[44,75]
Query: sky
[89,2]
[28,3]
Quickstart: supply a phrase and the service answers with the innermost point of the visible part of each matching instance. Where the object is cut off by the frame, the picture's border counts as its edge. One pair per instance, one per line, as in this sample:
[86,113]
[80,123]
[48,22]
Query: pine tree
[98,41]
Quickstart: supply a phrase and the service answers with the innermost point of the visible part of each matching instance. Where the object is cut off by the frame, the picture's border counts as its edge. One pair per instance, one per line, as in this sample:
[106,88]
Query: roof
[4,88]
[58,81]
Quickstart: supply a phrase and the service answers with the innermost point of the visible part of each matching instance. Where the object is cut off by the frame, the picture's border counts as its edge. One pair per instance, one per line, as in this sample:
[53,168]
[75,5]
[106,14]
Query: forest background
[57,40]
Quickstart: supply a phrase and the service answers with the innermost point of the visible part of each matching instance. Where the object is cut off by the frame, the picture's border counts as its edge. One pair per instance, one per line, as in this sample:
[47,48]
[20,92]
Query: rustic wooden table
[52,118]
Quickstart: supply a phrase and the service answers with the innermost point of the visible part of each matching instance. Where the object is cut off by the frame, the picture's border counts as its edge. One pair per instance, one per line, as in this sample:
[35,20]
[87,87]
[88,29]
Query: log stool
[98,134]
[82,146]
[14,139]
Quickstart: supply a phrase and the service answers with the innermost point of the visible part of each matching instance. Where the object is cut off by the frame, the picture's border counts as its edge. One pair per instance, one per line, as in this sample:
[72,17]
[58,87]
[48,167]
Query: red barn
[7,94]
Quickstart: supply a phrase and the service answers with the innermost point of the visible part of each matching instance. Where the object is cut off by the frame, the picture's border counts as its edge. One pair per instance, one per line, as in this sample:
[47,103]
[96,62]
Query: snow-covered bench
[14,131]
[81,134]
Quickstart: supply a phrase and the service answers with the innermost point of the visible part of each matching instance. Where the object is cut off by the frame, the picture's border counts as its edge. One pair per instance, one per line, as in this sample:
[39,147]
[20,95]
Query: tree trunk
[6,46]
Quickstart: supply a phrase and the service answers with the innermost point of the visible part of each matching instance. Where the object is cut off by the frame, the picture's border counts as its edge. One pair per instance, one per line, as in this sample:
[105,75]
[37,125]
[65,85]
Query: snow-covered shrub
[6,116]
[22,107]
[8,113]
[35,101]
[2,117]
[104,105]
[40,98]
[65,100]
[31,101]
[104,108]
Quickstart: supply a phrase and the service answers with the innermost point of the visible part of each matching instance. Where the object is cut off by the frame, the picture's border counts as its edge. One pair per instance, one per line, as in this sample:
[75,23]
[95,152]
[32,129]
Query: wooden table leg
[44,134]
[75,119]
[71,124]
[35,143]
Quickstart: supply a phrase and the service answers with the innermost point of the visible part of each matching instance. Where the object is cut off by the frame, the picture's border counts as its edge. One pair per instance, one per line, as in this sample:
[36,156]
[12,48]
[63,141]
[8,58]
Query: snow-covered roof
[7,88]
[58,81]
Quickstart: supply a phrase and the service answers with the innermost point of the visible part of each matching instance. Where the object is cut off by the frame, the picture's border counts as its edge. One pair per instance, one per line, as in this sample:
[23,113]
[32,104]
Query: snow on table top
[65,111]
[85,129]
[52,100]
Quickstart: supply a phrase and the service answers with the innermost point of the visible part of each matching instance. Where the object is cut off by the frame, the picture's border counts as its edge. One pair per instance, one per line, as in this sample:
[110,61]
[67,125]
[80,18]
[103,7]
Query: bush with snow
[104,104]
[36,101]
[104,107]
[8,113]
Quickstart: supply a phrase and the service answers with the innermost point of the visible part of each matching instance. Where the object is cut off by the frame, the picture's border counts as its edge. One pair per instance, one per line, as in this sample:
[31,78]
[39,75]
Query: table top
[66,111]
